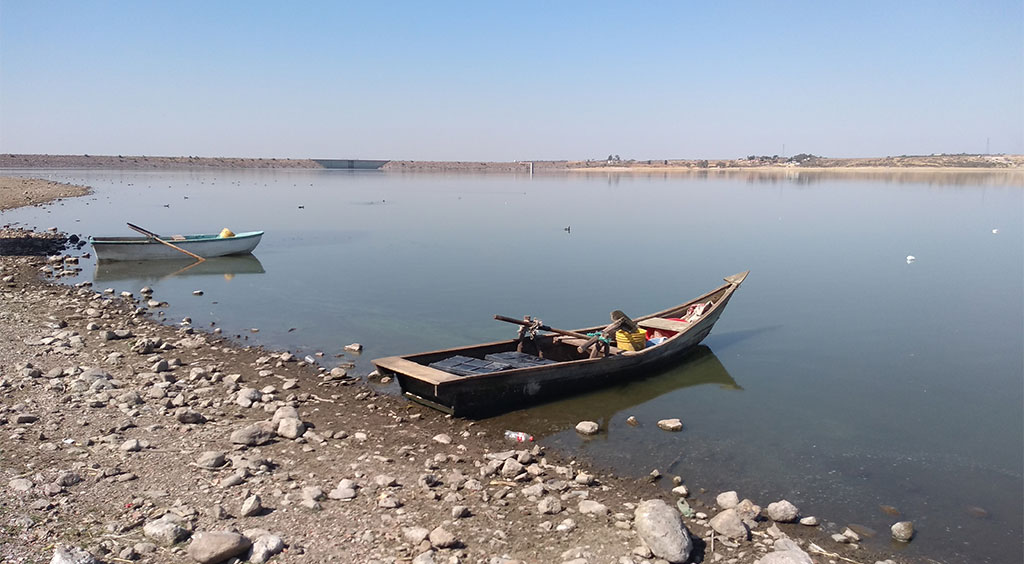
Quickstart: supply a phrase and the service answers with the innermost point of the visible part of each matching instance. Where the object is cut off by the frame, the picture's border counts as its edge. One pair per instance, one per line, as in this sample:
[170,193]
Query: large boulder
[661,528]
[212,547]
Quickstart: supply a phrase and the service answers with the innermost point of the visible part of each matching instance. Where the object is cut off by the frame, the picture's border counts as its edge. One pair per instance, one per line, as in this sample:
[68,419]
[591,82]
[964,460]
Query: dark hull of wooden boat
[482,395]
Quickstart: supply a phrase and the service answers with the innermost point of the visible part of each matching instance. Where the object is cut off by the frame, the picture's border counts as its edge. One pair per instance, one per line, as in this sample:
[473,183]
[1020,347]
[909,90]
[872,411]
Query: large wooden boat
[490,378]
[150,248]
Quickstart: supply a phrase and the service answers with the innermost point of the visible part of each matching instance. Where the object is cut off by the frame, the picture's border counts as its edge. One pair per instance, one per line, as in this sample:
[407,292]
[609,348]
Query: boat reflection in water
[155,270]
[700,366]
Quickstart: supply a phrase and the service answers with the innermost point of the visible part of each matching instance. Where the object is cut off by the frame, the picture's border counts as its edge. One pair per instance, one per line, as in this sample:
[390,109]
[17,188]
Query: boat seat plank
[664,324]
[415,370]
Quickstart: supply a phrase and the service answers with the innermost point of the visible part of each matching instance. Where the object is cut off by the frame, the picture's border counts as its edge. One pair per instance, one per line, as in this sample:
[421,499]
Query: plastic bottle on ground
[518,436]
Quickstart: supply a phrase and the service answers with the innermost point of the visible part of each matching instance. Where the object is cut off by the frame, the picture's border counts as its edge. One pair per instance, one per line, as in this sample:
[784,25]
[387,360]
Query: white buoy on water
[911,258]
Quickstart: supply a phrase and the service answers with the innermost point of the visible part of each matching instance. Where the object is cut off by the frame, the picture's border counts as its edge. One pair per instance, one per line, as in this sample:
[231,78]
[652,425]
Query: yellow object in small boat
[226,233]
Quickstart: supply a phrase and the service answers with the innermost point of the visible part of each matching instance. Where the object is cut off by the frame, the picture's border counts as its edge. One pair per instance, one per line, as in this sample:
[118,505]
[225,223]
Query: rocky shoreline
[130,440]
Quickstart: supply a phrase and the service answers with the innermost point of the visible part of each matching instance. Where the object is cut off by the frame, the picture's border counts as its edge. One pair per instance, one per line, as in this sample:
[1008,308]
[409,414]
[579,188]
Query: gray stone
[460,512]
[443,439]
[903,531]
[748,510]
[131,445]
[254,435]
[314,493]
[809,521]
[782,511]
[729,524]
[786,552]
[550,505]
[342,494]
[212,547]
[290,428]
[71,555]
[426,557]
[727,500]
[20,485]
[284,412]
[662,530]
[251,506]
[211,459]
[190,417]
[165,531]
[66,479]
[587,428]
[590,507]
[415,535]
[511,468]
[442,538]
[264,547]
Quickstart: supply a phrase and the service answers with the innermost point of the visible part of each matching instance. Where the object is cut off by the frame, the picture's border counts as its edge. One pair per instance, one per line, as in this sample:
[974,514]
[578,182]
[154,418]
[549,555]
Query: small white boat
[150,248]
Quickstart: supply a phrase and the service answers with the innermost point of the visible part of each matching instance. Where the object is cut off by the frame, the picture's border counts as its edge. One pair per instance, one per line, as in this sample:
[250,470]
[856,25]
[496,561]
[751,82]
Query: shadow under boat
[112,271]
[699,367]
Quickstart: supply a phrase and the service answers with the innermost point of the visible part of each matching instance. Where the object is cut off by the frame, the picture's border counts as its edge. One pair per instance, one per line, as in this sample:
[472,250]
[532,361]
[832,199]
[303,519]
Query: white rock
[674,425]
[782,511]
[290,428]
[903,531]
[72,555]
[251,506]
[443,439]
[591,507]
[661,528]
[728,523]
[265,546]
[727,500]
[587,428]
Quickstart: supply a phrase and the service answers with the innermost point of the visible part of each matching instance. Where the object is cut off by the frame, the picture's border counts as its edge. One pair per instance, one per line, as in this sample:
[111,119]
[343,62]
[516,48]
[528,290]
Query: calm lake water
[841,377]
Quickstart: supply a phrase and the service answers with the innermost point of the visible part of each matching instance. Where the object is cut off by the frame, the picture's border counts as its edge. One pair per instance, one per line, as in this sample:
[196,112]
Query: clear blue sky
[511,81]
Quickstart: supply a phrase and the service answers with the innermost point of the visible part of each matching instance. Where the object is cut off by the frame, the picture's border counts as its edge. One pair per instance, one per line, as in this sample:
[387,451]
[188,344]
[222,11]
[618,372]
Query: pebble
[253,435]
[443,439]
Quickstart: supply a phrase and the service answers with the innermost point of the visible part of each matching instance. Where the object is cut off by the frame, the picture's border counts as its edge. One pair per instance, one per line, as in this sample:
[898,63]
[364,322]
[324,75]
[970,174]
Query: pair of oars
[619,320]
[159,240]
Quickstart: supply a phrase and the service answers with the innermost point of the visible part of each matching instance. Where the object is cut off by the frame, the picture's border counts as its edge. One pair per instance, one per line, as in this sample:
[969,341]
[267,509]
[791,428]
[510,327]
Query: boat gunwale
[195,238]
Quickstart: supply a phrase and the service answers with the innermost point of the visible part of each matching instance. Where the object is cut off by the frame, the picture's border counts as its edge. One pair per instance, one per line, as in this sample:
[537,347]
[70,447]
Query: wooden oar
[590,341]
[159,240]
[541,327]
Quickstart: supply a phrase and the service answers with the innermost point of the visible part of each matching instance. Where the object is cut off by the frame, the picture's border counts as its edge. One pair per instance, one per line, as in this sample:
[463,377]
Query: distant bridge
[350,164]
